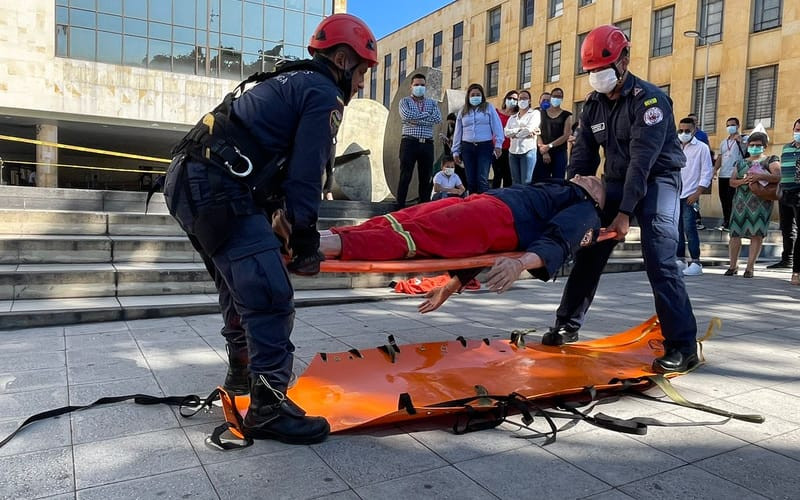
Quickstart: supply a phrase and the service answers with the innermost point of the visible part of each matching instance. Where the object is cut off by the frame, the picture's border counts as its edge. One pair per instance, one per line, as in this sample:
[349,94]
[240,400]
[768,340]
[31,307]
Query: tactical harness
[221,140]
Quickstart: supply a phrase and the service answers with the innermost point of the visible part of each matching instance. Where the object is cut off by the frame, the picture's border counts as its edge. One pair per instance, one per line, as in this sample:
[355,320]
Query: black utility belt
[421,140]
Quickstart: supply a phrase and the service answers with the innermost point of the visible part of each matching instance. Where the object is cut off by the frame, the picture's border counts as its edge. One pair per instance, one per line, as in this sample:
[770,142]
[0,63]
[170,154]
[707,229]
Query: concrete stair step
[64,222]
[44,312]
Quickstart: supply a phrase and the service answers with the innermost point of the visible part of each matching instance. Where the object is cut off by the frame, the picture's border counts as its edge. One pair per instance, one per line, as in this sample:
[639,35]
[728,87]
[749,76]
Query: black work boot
[237,380]
[272,415]
[675,361]
[559,335]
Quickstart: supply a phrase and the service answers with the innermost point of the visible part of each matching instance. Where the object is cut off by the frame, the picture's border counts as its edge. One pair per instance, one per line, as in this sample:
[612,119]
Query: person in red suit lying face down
[549,221]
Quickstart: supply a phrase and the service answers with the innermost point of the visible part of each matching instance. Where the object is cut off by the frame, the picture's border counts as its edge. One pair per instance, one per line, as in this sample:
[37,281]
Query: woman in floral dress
[751,214]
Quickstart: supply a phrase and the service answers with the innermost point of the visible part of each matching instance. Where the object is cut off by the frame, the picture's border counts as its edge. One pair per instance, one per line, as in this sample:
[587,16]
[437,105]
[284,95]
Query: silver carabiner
[247,171]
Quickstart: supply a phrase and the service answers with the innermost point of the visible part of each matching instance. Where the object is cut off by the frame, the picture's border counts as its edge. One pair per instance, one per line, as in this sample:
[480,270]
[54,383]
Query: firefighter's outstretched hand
[620,225]
[504,273]
[436,297]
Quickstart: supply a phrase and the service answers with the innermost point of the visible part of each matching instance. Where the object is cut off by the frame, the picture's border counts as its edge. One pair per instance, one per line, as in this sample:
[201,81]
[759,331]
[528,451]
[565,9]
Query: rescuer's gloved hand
[306,256]
[305,265]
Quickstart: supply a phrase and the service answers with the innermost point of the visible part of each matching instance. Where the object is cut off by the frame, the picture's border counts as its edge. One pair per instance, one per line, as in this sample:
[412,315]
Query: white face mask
[524,104]
[603,81]
[510,103]
[685,137]
[448,171]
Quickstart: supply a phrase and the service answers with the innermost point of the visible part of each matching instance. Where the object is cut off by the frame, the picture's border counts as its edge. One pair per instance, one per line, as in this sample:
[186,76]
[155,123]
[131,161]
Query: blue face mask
[732,129]
[556,101]
[418,90]
[796,136]
[755,150]
[475,100]
[545,105]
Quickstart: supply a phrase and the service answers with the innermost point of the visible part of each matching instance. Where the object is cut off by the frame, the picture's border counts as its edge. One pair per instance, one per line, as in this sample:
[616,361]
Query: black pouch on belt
[212,227]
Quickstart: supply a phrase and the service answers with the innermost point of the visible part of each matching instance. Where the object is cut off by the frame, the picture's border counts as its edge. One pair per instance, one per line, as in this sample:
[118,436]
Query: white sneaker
[681,265]
[694,269]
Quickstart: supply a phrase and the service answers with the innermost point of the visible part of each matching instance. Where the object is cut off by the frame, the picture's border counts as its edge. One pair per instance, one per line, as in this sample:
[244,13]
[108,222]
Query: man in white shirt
[695,176]
[731,151]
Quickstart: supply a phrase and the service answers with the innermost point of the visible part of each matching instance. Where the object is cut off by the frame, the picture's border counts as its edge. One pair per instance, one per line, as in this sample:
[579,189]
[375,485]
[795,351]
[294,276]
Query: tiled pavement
[128,451]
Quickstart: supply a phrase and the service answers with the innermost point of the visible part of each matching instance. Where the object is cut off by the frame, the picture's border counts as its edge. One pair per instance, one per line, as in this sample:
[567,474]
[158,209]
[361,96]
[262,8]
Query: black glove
[304,241]
[306,256]
[305,265]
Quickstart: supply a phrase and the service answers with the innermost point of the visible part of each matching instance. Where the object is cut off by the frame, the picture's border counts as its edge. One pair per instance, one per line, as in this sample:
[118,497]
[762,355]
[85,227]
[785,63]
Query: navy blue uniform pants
[657,214]
[236,242]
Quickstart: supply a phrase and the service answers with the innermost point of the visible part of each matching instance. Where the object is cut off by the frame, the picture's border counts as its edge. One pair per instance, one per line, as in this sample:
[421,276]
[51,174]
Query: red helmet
[348,30]
[602,47]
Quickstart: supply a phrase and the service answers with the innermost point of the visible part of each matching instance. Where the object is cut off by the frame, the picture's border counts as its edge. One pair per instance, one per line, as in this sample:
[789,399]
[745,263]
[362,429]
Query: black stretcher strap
[182,402]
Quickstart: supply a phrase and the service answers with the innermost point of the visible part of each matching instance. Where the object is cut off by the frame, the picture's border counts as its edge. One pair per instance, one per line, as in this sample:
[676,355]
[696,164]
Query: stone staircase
[69,256]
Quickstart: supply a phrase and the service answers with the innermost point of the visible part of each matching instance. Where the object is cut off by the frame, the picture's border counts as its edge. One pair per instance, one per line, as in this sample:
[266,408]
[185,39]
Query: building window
[766,14]
[458,45]
[437,50]
[578,64]
[664,89]
[387,80]
[556,8]
[526,16]
[711,20]
[584,3]
[708,111]
[223,38]
[493,30]
[492,78]
[373,83]
[401,65]
[419,48]
[761,92]
[525,65]
[625,26]
[662,31]
[554,62]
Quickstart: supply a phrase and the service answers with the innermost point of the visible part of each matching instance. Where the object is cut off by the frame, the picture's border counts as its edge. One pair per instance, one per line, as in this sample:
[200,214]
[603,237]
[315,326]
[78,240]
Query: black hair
[759,136]
[557,89]
[475,86]
[508,95]
[447,159]
[734,119]
[796,122]
[687,120]
[451,116]
[418,76]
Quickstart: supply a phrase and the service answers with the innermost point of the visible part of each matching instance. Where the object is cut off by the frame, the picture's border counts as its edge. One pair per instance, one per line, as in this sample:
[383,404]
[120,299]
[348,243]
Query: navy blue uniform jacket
[638,136]
[296,114]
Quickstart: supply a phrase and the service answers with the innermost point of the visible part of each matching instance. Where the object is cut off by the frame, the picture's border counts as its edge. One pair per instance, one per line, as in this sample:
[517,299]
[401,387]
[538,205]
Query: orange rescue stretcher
[481,380]
[426,265]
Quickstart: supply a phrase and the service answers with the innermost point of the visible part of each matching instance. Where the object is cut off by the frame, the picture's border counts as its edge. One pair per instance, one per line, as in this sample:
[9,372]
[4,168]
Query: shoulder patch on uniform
[637,91]
[650,101]
[598,127]
[653,115]
[588,237]
[336,120]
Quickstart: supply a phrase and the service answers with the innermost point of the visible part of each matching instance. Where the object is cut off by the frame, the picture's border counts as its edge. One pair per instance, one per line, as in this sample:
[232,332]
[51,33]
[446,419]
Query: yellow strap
[412,247]
[675,396]
[85,167]
[81,148]
[713,326]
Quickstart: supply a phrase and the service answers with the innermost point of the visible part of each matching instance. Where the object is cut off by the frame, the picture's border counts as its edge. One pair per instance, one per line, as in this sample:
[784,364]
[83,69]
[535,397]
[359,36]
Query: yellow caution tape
[81,148]
[85,167]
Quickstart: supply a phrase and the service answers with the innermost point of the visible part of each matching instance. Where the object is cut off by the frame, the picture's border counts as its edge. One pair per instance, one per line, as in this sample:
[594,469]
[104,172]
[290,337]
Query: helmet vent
[606,53]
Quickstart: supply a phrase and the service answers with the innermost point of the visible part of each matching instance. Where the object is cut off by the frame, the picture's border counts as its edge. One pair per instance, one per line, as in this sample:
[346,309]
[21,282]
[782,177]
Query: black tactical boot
[237,379]
[559,335]
[675,361]
[272,415]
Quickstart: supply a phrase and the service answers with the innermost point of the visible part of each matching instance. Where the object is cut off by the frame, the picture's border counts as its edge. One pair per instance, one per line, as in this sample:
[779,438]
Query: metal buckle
[246,172]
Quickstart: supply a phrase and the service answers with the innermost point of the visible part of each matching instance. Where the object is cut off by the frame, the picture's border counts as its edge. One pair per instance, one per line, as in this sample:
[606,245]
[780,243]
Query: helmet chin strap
[344,78]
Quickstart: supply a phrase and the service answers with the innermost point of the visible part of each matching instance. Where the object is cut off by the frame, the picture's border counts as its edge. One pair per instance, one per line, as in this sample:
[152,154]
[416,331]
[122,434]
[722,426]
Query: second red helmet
[602,47]
[345,29]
